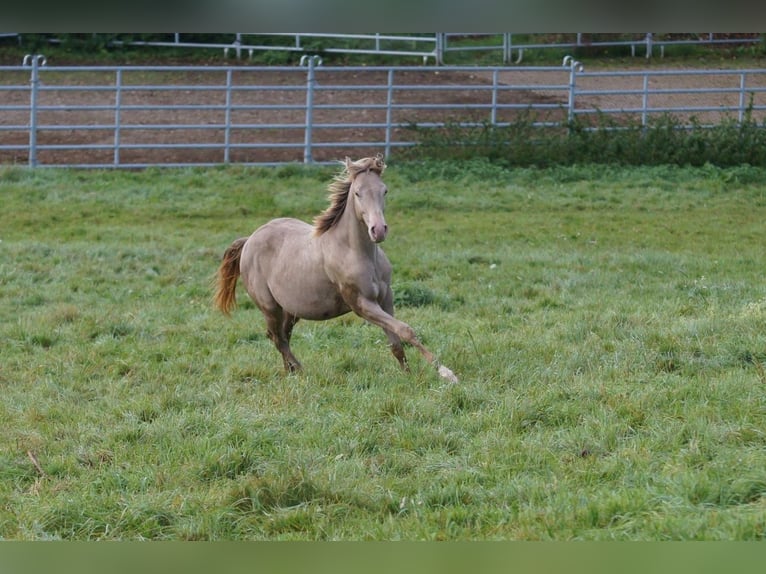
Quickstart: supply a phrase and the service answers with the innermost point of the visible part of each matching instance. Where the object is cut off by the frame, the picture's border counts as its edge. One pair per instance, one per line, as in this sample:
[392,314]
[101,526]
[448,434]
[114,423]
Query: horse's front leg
[372,311]
[387,304]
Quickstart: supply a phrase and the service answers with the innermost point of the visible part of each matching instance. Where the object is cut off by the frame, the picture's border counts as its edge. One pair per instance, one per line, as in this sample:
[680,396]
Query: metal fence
[139,116]
[438,48]
[647,44]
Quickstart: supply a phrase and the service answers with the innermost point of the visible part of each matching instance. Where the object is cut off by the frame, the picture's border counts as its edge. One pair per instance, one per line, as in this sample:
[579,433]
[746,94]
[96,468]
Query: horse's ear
[379,162]
[351,170]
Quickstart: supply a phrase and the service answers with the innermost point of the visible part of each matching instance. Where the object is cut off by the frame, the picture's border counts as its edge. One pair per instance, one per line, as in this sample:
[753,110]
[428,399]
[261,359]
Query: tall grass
[606,323]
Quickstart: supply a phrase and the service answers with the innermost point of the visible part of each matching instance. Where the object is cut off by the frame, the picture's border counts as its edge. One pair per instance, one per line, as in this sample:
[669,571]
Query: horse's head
[368,196]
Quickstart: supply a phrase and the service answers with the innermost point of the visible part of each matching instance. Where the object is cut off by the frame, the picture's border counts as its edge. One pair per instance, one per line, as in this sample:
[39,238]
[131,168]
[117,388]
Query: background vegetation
[479,48]
[606,323]
[665,140]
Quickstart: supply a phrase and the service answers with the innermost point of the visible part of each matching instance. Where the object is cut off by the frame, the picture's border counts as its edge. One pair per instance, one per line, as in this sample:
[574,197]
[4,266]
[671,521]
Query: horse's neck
[353,234]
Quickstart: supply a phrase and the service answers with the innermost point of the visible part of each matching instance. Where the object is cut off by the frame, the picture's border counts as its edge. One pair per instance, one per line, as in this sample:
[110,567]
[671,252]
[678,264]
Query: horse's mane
[339,188]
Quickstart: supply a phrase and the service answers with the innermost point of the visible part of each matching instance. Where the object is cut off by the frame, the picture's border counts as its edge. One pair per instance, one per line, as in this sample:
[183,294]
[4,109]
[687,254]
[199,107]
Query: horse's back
[282,228]
[276,239]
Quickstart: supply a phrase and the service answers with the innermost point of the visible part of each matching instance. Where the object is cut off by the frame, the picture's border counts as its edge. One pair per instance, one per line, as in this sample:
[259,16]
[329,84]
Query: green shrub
[664,140]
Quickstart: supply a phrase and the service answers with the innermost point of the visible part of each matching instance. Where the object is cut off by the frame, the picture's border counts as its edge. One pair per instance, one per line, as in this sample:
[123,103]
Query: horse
[295,270]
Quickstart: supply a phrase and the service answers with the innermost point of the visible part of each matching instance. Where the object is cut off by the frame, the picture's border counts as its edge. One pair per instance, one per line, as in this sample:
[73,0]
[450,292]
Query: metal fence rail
[514,49]
[138,116]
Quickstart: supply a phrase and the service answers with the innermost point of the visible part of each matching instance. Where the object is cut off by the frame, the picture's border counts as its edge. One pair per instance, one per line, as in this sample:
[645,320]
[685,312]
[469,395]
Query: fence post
[507,47]
[741,112]
[574,67]
[227,119]
[238,45]
[493,112]
[117,119]
[311,62]
[35,61]
[389,105]
[441,44]
[645,101]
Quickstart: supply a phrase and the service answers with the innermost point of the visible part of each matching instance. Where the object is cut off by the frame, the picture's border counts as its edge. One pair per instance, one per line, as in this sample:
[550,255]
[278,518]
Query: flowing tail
[228,273]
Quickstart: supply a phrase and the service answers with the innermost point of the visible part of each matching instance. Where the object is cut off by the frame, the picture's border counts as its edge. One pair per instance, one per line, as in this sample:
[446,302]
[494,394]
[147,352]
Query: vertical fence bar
[307,156]
[645,101]
[570,91]
[493,112]
[117,114]
[227,119]
[311,61]
[741,111]
[33,83]
[574,67]
[35,61]
[238,45]
[389,115]
[440,39]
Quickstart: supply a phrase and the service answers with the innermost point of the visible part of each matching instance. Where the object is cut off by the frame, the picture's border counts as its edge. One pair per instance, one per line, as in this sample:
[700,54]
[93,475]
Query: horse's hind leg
[288,322]
[279,326]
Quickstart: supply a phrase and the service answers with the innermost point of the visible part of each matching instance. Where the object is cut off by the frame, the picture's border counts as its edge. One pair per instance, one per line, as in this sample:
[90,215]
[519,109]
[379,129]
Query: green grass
[607,326]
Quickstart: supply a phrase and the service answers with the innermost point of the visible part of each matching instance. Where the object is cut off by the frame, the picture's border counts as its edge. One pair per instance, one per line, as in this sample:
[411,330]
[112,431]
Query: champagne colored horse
[293,270]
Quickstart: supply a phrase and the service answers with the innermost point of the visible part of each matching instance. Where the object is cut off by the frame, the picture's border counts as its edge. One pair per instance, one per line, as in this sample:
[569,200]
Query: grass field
[607,324]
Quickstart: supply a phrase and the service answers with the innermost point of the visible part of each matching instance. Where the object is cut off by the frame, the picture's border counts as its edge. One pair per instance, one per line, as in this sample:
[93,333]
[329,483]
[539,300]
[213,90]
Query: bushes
[666,140]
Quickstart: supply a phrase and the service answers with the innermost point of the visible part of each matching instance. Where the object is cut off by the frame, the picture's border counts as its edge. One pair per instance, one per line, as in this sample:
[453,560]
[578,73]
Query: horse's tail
[228,273]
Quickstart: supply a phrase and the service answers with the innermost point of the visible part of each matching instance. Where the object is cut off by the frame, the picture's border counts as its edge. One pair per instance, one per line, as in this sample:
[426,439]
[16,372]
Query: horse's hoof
[446,373]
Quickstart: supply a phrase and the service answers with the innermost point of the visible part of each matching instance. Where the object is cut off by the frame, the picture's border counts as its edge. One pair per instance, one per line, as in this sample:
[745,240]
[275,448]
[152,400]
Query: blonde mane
[339,188]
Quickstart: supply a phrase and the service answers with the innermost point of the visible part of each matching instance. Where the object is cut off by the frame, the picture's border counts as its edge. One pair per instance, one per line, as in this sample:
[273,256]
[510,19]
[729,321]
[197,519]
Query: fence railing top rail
[293,68]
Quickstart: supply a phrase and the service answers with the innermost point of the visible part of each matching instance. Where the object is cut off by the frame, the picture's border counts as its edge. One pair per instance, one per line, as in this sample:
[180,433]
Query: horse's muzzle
[378,232]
